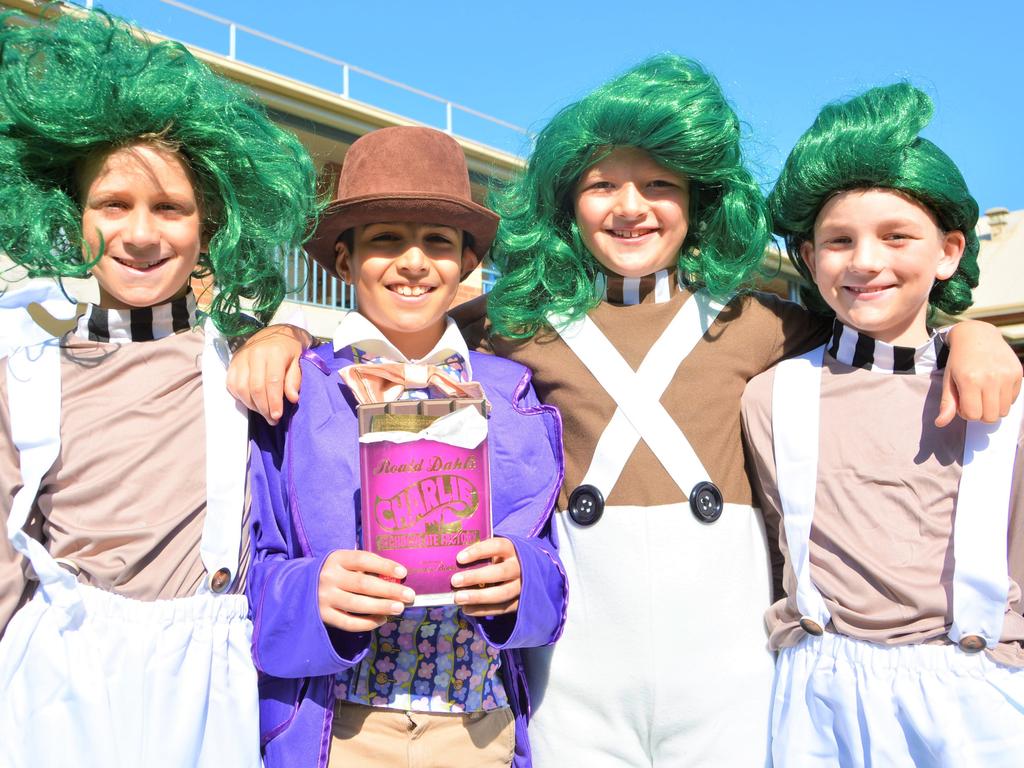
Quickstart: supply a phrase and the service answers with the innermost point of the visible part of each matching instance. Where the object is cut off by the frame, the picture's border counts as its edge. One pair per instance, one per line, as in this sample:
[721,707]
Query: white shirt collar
[355,329]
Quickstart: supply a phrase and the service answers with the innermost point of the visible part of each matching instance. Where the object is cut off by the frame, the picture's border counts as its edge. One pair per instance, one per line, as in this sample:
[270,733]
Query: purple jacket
[305,499]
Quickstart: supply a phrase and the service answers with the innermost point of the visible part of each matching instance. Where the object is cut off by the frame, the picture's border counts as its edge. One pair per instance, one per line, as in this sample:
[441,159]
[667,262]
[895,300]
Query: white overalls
[663,661]
[841,701]
[91,678]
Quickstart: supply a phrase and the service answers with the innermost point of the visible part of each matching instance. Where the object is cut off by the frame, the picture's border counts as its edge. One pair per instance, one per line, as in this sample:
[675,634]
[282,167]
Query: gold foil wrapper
[400,422]
[412,415]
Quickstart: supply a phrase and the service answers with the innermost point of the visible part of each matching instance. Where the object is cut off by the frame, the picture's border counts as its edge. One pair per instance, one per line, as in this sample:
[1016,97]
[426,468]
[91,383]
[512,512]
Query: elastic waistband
[196,608]
[932,657]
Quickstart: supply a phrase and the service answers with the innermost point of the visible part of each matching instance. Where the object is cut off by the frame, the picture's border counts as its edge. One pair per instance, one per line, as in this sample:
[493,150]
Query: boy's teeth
[140,264]
[411,290]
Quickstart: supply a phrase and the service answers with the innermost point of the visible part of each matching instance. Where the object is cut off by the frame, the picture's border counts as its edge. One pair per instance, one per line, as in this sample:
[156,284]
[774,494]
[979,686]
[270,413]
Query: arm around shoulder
[265,371]
[471,317]
[983,375]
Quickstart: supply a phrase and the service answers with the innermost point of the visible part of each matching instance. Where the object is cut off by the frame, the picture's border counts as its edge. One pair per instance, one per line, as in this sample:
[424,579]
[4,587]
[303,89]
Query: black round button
[586,505]
[706,502]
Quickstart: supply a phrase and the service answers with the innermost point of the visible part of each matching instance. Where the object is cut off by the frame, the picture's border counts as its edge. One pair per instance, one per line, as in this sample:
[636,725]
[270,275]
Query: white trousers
[841,702]
[167,684]
[663,661]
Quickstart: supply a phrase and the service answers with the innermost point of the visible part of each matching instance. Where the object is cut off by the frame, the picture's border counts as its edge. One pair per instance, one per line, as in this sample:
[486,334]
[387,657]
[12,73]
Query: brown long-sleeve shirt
[750,335]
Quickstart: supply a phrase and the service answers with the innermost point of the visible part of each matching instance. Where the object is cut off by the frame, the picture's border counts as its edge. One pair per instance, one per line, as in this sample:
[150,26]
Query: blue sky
[778,62]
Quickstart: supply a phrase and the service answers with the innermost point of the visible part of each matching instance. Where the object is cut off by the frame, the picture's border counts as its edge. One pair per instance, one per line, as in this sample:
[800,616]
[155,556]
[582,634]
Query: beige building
[999,297]
[327,123]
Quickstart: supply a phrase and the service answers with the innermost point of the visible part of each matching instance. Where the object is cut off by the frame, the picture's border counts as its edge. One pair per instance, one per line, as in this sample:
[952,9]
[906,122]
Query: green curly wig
[872,142]
[75,87]
[671,108]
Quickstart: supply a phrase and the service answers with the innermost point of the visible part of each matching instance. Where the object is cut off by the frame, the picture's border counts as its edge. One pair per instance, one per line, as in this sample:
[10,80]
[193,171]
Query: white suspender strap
[227,431]
[796,409]
[980,571]
[637,394]
[34,399]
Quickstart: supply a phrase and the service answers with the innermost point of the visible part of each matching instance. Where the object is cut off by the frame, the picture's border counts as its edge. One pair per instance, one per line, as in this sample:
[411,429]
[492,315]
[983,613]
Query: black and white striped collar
[858,350]
[121,326]
[656,288]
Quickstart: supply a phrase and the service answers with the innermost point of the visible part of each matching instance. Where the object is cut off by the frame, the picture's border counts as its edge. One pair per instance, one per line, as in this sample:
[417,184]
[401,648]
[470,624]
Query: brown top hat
[404,173]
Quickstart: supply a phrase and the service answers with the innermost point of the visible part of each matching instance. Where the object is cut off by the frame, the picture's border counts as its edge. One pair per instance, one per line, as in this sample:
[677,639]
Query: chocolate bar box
[425,487]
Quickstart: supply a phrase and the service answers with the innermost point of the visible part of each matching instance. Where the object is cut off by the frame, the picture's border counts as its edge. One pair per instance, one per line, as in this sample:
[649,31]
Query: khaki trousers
[392,738]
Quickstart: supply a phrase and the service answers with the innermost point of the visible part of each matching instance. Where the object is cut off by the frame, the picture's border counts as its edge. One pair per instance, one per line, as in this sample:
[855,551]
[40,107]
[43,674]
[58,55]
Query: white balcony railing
[308,283]
[244,43]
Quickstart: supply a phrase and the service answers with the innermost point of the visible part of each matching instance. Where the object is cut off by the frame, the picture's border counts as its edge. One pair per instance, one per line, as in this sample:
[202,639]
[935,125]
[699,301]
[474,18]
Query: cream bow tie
[385,382]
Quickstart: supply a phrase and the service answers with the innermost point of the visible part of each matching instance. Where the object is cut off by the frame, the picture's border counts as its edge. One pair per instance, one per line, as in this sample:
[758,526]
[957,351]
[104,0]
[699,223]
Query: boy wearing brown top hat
[404,231]
[352,675]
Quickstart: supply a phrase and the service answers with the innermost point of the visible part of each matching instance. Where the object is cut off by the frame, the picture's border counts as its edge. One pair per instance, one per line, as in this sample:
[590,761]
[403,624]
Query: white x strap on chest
[637,394]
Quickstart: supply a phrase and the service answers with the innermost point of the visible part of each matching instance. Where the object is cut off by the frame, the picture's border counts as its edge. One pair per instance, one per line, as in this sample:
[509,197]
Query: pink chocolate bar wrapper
[422,502]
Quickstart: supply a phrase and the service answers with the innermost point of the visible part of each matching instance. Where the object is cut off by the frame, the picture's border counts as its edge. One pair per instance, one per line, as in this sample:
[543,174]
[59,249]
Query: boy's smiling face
[141,201]
[632,213]
[875,256]
[406,276]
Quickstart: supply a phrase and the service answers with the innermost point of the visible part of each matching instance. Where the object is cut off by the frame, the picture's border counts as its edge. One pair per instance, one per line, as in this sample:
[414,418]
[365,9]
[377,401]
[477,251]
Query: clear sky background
[778,61]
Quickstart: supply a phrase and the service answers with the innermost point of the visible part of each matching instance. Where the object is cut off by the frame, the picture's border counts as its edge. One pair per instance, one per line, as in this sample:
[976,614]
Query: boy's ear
[807,257]
[953,244]
[469,260]
[341,260]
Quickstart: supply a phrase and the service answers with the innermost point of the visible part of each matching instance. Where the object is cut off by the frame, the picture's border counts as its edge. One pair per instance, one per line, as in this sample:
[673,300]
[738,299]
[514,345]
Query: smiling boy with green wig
[125,636]
[901,635]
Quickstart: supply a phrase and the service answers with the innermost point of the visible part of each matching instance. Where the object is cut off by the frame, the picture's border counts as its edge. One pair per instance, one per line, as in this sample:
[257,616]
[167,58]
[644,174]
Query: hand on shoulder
[983,375]
[265,370]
